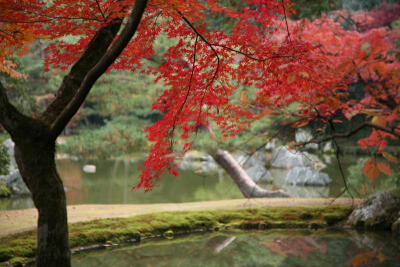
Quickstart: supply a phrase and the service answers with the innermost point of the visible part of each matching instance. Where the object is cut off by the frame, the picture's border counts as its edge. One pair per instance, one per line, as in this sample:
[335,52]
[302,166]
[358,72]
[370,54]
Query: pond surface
[284,248]
[113,180]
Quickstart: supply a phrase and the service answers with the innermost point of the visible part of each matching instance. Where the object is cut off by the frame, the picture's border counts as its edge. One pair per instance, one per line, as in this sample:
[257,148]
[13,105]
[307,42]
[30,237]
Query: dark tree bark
[35,159]
[246,185]
[35,138]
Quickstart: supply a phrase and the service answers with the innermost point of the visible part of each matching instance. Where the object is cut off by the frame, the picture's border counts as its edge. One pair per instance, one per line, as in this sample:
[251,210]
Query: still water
[113,180]
[284,248]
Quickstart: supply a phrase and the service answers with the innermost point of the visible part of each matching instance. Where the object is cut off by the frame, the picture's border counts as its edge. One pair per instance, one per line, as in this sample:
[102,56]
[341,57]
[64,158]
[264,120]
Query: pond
[113,180]
[284,248]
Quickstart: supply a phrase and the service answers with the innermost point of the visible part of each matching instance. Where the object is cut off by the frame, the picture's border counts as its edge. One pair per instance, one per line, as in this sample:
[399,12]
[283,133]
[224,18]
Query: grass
[19,247]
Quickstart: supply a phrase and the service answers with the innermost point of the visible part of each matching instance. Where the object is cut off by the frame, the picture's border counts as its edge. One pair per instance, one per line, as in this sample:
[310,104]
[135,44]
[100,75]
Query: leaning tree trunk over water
[246,185]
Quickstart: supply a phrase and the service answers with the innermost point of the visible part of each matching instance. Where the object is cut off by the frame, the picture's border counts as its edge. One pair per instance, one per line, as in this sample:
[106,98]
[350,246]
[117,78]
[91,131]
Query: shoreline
[16,221]
[262,214]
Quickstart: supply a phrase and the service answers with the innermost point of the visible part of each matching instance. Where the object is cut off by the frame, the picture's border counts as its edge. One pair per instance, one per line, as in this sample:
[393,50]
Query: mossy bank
[17,248]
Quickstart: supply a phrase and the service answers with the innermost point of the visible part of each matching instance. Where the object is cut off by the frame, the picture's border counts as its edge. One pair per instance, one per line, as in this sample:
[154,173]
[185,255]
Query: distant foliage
[119,137]
[314,8]
[4,160]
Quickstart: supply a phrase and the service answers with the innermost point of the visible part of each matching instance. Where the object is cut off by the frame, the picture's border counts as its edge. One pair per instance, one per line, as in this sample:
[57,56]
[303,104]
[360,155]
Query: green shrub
[4,160]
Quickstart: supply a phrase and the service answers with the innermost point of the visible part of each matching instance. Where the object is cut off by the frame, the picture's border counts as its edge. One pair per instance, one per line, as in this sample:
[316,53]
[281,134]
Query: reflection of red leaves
[296,246]
[365,257]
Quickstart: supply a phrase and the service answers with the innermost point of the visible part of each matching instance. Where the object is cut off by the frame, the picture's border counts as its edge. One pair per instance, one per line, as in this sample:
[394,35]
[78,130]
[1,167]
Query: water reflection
[113,180]
[272,248]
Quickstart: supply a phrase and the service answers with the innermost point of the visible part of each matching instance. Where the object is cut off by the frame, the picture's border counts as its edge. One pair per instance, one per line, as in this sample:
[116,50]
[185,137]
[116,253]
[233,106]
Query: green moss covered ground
[19,247]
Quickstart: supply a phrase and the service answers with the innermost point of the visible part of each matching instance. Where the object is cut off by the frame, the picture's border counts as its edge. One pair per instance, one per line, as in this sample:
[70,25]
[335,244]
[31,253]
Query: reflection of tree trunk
[246,185]
[224,244]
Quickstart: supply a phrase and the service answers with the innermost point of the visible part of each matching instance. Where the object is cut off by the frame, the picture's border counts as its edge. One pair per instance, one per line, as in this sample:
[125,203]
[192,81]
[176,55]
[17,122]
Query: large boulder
[379,211]
[282,157]
[259,173]
[196,160]
[254,165]
[247,161]
[307,176]
[304,136]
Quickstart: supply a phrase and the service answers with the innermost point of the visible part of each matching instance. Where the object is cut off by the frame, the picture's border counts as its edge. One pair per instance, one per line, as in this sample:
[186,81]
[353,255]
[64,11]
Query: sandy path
[13,221]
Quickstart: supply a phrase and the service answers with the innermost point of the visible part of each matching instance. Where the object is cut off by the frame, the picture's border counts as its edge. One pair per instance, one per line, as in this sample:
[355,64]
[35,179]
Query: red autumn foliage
[307,62]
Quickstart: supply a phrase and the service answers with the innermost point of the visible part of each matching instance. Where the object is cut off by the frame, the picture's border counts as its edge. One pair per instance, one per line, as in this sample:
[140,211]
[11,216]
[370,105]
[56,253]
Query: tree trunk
[35,159]
[246,185]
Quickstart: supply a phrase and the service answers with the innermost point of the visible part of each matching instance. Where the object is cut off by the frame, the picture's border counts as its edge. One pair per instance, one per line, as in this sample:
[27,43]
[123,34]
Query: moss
[6,254]
[172,223]
[17,261]
[4,191]
[169,234]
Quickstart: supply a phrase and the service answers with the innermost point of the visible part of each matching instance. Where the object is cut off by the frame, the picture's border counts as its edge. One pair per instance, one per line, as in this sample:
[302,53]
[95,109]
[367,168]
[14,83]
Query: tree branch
[351,132]
[14,121]
[102,65]
[94,52]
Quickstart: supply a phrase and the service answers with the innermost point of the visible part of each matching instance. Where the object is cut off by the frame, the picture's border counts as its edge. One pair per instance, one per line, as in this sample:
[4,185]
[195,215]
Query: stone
[259,173]
[271,145]
[89,168]
[255,159]
[307,176]
[379,211]
[14,182]
[197,161]
[282,157]
[9,144]
[328,147]
[304,136]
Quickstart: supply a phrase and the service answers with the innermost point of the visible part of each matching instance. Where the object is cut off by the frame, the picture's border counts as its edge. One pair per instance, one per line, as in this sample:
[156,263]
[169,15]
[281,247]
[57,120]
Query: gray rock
[307,176]
[13,180]
[379,211]
[303,136]
[271,144]
[256,159]
[259,173]
[282,157]
[9,144]
[15,183]
[89,168]
[198,161]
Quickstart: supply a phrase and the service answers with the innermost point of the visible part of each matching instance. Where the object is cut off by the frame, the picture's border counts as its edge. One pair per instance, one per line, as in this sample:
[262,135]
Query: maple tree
[281,59]
[365,53]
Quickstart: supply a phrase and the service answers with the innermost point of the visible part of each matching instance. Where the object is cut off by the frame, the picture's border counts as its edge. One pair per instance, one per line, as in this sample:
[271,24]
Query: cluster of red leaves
[306,62]
[368,56]
[205,67]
